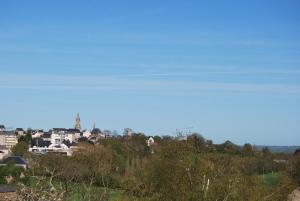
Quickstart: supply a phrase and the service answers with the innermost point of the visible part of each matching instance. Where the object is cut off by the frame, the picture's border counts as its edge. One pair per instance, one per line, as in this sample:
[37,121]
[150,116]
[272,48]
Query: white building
[86,134]
[8,139]
[150,141]
[57,140]
[73,134]
[20,131]
[58,135]
[37,133]
[128,132]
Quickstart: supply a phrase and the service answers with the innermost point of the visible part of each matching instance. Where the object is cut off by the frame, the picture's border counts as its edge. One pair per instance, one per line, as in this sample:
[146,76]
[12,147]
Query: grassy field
[115,195]
[78,191]
[76,194]
[271,179]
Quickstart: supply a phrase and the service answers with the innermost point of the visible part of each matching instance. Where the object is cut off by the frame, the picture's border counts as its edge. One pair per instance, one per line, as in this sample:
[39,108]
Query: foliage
[26,138]
[20,148]
[191,169]
[10,171]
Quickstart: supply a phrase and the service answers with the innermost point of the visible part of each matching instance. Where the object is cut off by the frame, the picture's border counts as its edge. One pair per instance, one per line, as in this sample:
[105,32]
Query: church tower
[77,125]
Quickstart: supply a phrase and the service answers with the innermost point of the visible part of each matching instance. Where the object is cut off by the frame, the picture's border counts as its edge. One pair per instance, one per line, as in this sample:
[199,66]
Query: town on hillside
[56,140]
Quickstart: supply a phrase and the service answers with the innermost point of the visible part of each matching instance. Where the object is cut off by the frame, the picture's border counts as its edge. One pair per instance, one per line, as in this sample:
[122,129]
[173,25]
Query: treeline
[193,169]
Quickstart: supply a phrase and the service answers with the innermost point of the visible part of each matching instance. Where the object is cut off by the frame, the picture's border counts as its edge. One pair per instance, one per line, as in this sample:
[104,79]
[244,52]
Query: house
[58,135]
[150,141]
[2,128]
[95,135]
[40,146]
[94,138]
[3,152]
[128,132]
[39,142]
[86,134]
[19,131]
[96,131]
[37,133]
[8,139]
[73,134]
[57,140]
[107,134]
[46,136]
[15,160]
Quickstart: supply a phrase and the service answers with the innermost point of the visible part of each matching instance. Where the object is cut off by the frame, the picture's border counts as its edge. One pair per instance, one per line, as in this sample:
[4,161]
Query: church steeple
[77,125]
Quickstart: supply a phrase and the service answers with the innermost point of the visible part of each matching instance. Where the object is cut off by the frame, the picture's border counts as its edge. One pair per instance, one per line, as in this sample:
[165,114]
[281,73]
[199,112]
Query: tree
[20,148]
[297,152]
[266,151]
[247,150]
[157,139]
[229,147]
[197,141]
[26,138]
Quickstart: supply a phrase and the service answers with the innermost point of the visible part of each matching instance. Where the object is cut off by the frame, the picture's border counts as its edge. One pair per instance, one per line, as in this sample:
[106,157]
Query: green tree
[20,148]
[26,138]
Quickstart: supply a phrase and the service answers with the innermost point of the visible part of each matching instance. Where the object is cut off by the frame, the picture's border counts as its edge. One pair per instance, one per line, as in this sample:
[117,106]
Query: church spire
[77,125]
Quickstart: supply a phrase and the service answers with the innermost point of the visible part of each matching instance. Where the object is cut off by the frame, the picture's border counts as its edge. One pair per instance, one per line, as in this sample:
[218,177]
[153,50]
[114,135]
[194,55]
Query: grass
[115,195]
[77,190]
[271,179]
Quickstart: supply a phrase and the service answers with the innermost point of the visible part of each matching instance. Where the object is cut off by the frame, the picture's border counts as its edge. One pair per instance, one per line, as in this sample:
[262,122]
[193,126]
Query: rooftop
[15,160]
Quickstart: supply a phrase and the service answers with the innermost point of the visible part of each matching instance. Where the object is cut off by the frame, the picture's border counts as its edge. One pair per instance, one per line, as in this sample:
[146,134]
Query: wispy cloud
[134,84]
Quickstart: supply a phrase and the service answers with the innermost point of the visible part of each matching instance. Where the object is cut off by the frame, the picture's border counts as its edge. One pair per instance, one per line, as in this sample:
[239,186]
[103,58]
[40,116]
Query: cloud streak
[134,84]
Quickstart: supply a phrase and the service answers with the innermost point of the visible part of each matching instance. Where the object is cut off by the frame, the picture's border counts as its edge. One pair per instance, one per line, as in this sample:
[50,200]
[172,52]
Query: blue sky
[229,69]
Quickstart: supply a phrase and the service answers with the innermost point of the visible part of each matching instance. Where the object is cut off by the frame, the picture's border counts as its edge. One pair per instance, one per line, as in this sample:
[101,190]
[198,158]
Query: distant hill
[279,149]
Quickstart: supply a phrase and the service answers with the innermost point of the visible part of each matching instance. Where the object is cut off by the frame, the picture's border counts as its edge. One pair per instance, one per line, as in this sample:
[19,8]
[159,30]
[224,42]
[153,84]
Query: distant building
[16,160]
[19,131]
[58,135]
[40,142]
[107,134]
[62,148]
[46,136]
[150,141]
[8,139]
[57,140]
[86,134]
[37,133]
[2,128]
[96,131]
[73,134]
[128,132]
